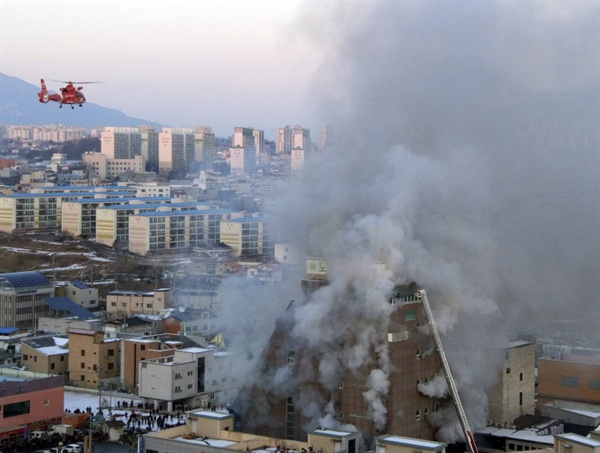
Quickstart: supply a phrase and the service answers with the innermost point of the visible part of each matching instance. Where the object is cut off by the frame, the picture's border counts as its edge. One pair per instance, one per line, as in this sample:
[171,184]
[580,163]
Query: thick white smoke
[467,161]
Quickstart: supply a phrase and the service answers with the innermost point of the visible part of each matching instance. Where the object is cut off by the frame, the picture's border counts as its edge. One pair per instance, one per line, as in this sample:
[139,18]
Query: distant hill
[19,105]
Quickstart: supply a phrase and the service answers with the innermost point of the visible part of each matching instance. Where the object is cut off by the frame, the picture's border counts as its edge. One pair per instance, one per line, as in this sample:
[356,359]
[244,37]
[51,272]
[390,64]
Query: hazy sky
[181,63]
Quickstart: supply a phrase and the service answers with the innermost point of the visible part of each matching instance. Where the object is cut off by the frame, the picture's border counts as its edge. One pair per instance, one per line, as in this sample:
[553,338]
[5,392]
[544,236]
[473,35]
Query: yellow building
[112,222]
[159,231]
[247,236]
[127,303]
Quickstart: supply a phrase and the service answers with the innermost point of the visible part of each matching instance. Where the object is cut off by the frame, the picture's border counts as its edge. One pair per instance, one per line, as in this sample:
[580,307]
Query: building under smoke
[290,396]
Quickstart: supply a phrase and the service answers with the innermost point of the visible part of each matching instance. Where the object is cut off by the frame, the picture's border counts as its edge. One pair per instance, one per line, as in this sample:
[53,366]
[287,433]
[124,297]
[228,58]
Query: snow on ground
[80,400]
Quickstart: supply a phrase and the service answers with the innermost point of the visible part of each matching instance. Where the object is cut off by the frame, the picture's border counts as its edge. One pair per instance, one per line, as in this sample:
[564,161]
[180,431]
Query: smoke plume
[466,160]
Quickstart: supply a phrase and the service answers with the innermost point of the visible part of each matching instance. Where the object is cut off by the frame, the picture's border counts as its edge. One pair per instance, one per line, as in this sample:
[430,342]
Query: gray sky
[182,63]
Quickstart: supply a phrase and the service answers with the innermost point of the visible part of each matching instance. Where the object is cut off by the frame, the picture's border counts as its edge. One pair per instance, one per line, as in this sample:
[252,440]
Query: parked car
[74,448]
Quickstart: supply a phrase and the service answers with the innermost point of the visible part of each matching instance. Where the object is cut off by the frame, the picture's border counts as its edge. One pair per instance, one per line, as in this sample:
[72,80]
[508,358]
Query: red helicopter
[68,95]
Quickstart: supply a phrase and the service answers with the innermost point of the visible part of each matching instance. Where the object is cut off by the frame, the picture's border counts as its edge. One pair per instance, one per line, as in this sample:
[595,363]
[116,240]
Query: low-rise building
[49,355]
[30,405]
[80,293]
[92,358]
[120,304]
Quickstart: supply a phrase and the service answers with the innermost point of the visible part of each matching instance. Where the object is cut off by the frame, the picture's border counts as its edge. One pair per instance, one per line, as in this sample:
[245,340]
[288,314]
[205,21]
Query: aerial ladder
[470,439]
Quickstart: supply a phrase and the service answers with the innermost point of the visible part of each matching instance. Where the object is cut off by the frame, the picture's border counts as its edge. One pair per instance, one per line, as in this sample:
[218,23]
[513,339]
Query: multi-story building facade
[45,133]
[79,216]
[248,236]
[514,393]
[205,147]
[112,222]
[92,358]
[100,167]
[137,350]
[193,376]
[158,231]
[288,138]
[128,303]
[326,137]
[22,298]
[259,142]
[176,150]
[42,207]
[30,405]
[406,405]
[243,151]
[80,293]
[570,377]
[48,355]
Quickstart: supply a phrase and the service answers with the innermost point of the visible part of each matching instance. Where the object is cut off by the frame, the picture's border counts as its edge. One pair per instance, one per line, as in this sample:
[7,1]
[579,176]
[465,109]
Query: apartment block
[112,222]
[158,231]
[248,236]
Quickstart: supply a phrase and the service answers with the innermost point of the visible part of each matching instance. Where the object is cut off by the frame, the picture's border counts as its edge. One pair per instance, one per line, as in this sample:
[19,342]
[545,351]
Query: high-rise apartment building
[326,137]
[129,142]
[176,150]
[288,138]
[243,151]
[205,148]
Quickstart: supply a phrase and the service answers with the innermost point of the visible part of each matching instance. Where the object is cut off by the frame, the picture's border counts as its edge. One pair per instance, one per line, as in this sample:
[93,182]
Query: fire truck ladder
[449,379]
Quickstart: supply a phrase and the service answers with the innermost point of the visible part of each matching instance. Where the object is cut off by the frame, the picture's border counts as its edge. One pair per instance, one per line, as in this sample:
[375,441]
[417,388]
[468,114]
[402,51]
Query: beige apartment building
[159,231]
[42,207]
[126,303]
[92,358]
[112,222]
[247,236]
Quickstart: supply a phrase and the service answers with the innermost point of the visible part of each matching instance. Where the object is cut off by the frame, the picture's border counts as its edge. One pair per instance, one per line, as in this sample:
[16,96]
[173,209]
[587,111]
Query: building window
[46,402]
[62,358]
[82,365]
[520,398]
[142,347]
[14,409]
[83,352]
[111,366]
[418,415]
[341,384]
[290,358]
[569,381]
[418,354]
[520,376]
[111,352]
[82,378]
[508,370]
[52,366]
[341,416]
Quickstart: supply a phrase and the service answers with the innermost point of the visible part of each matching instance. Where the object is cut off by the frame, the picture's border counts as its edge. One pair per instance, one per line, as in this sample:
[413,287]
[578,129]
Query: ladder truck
[470,439]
